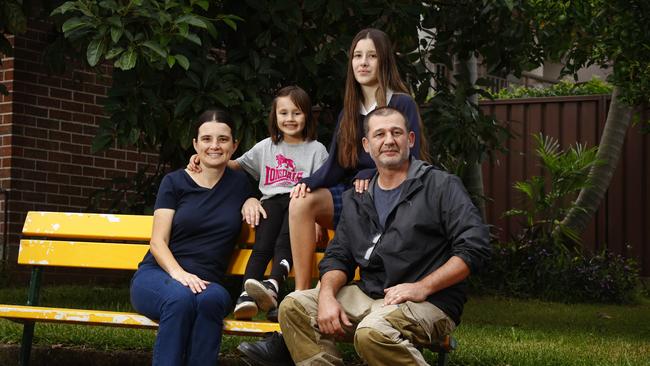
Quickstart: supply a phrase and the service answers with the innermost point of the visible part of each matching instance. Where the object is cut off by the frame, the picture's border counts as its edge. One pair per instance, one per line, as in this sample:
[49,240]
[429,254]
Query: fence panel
[622,223]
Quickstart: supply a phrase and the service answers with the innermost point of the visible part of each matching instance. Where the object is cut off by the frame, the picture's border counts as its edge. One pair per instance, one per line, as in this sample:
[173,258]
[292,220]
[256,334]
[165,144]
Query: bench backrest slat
[85,226]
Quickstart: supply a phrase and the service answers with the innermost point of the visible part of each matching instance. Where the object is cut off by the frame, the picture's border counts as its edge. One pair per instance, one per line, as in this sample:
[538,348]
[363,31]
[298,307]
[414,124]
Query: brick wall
[48,123]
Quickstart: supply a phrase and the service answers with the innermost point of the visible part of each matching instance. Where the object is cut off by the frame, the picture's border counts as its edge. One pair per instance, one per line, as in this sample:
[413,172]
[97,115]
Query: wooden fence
[622,223]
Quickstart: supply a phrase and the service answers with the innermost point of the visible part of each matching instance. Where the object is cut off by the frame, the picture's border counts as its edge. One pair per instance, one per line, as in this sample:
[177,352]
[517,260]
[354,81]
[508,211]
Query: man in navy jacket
[415,236]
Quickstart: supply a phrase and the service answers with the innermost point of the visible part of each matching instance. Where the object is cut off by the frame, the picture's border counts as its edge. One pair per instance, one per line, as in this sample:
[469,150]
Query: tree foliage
[594,86]
[172,59]
[609,34]
[12,21]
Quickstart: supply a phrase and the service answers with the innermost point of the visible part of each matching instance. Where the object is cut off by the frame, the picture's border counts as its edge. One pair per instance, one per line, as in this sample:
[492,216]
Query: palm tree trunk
[609,152]
[474,175]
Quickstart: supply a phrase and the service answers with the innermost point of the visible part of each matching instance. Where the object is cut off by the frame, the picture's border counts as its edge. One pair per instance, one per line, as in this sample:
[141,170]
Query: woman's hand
[190,280]
[299,190]
[361,185]
[193,164]
[251,211]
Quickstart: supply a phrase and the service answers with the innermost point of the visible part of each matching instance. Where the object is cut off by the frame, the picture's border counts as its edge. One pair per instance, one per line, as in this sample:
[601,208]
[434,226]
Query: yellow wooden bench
[107,241]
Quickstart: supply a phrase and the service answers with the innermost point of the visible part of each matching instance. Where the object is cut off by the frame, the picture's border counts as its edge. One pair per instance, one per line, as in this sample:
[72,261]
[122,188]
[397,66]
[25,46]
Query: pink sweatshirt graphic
[283,173]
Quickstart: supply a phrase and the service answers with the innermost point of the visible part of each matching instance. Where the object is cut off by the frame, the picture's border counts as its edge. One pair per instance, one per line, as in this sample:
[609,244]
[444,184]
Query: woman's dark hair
[300,98]
[215,115]
[388,78]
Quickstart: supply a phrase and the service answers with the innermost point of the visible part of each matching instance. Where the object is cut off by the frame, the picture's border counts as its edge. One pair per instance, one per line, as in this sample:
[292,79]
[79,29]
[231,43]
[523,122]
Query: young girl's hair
[387,78]
[301,99]
[218,115]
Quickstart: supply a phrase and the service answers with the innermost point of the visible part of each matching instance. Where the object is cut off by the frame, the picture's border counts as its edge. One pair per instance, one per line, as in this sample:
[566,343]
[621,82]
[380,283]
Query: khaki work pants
[382,335]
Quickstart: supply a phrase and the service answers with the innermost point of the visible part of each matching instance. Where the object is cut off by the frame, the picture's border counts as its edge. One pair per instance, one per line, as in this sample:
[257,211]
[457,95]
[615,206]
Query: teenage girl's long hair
[387,78]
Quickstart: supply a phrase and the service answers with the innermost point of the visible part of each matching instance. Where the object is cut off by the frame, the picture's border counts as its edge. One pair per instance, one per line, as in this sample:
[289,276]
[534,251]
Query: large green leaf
[193,20]
[183,104]
[64,8]
[193,38]
[204,4]
[127,61]
[72,24]
[116,34]
[113,52]
[95,51]
[154,46]
[183,61]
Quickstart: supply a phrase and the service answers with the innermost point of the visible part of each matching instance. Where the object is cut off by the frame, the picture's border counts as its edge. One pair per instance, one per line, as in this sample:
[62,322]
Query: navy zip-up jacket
[434,220]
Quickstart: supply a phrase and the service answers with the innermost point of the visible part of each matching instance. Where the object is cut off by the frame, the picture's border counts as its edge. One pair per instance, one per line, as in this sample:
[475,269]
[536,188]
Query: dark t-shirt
[206,221]
[385,201]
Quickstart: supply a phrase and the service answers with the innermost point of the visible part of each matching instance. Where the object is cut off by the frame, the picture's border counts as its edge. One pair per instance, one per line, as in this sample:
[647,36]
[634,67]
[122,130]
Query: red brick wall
[48,123]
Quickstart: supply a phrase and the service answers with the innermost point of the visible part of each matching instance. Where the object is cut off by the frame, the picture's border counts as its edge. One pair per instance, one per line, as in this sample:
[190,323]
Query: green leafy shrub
[543,261]
[594,86]
[542,270]
[547,200]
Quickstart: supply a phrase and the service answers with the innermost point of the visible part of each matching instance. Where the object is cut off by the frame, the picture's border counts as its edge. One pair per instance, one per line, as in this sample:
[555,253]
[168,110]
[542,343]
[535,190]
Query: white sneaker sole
[245,311]
[263,297]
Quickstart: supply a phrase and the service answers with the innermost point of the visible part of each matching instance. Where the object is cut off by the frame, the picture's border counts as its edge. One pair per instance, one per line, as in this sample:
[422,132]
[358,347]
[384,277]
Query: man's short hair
[383,111]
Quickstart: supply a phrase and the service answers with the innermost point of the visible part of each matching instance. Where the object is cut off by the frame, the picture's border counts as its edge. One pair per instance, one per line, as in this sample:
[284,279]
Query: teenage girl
[372,81]
[279,162]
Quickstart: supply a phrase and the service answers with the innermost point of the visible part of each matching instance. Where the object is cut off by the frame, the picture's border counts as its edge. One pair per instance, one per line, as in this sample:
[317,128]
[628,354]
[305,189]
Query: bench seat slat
[117,319]
[20,313]
[61,315]
[81,254]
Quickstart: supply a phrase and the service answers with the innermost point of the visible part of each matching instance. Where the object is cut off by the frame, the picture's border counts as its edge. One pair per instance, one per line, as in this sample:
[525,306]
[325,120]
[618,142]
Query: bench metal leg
[443,358]
[26,344]
[28,327]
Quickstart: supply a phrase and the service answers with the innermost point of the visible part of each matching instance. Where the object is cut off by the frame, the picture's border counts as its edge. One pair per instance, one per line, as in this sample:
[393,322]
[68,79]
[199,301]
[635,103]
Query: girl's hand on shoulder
[251,211]
[193,164]
[299,190]
[190,280]
[361,185]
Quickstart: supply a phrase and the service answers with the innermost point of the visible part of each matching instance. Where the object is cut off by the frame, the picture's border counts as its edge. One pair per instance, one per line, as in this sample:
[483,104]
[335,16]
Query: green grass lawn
[495,331]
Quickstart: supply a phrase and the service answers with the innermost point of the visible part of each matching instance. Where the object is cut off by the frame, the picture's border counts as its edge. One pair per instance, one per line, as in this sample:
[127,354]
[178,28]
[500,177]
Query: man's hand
[331,316]
[193,164]
[404,292]
[251,211]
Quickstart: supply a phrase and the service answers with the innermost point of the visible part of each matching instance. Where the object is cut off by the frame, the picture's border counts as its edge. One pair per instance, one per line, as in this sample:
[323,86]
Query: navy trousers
[190,325]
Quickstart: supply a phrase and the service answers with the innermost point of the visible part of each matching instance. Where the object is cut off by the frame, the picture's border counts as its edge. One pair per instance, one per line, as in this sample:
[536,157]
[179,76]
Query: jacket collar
[416,169]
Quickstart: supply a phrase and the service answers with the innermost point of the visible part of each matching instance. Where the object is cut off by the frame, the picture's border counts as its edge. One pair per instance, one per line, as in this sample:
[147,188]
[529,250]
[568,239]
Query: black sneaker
[263,293]
[269,351]
[245,308]
[272,315]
